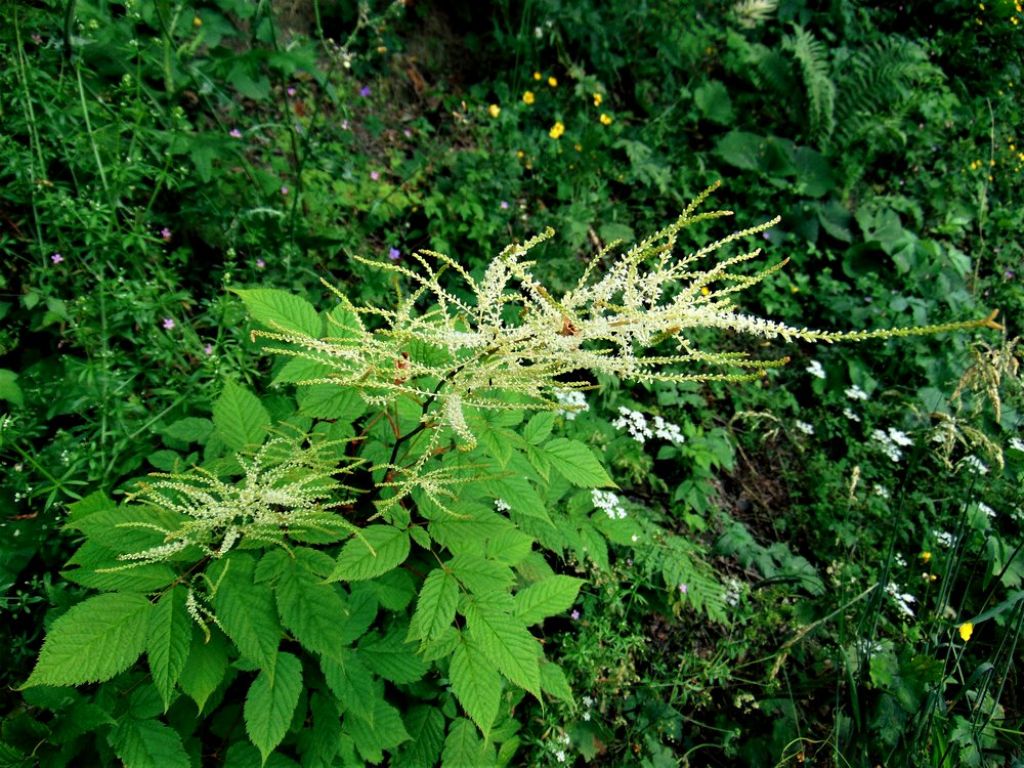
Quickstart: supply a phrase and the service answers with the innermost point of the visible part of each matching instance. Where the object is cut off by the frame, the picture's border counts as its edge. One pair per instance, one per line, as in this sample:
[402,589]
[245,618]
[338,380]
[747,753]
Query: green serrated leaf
[281,311]
[475,683]
[169,641]
[303,369]
[538,428]
[463,748]
[330,401]
[391,657]
[426,738]
[271,702]
[189,430]
[505,640]
[95,640]
[148,744]
[239,417]
[9,389]
[375,726]
[520,494]
[348,678]
[480,575]
[435,607]
[546,598]
[246,611]
[379,549]
[205,668]
[554,682]
[576,463]
[310,609]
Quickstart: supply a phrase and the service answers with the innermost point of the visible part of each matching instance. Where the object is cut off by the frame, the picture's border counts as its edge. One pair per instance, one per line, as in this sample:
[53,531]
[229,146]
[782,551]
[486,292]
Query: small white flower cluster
[901,561]
[882,491]
[815,369]
[848,413]
[667,431]
[903,600]
[989,512]
[974,464]
[869,647]
[609,502]
[1016,444]
[575,402]
[945,538]
[891,442]
[588,704]
[635,423]
[856,393]
[733,589]
[804,427]
[501,505]
[563,742]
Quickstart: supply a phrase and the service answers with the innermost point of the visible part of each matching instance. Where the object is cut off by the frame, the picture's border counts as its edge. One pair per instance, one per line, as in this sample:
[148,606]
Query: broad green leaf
[476,684]
[576,463]
[169,640]
[239,417]
[310,609]
[435,608]
[391,657]
[554,682]
[539,427]
[97,639]
[712,99]
[395,589]
[94,502]
[375,726]
[148,744]
[426,733]
[271,702]
[9,389]
[520,494]
[379,549]
[504,639]
[546,598]
[330,401]
[303,369]
[246,611]
[348,678]
[463,748]
[281,311]
[319,745]
[207,662]
[481,575]
[189,430]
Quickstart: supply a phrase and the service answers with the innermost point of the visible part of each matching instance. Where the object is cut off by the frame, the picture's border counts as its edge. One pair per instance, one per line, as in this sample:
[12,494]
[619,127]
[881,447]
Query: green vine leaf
[377,550]
[168,642]
[310,609]
[505,641]
[270,703]
[97,639]
[246,612]
[239,417]
[205,668]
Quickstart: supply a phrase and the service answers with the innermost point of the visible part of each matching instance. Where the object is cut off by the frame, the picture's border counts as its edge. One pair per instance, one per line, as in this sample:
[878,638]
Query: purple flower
[683,588]
[291,91]
[365,91]
[56,258]
[503,205]
[260,263]
[165,233]
[168,323]
[575,615]
[208,349]
[234,133]
[284,191]
[375,175]
[407,133]
[394,254]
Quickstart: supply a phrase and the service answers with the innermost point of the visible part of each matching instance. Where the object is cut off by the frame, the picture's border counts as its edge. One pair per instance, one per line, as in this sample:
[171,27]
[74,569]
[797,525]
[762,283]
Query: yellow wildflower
[605,118]
[528,97]
[926,557]
[556,130]
[494,110]
[537,75]
[578,147]
[966,630]
[704,290]
[598,99]
[553,81]
[794,288]
[520,154]
[196,21]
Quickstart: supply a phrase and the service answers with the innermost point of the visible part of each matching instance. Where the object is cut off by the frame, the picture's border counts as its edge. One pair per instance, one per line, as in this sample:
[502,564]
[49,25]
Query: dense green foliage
[271,495]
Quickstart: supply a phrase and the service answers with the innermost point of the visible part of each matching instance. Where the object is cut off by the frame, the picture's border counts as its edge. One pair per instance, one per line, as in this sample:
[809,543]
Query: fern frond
[812,55]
